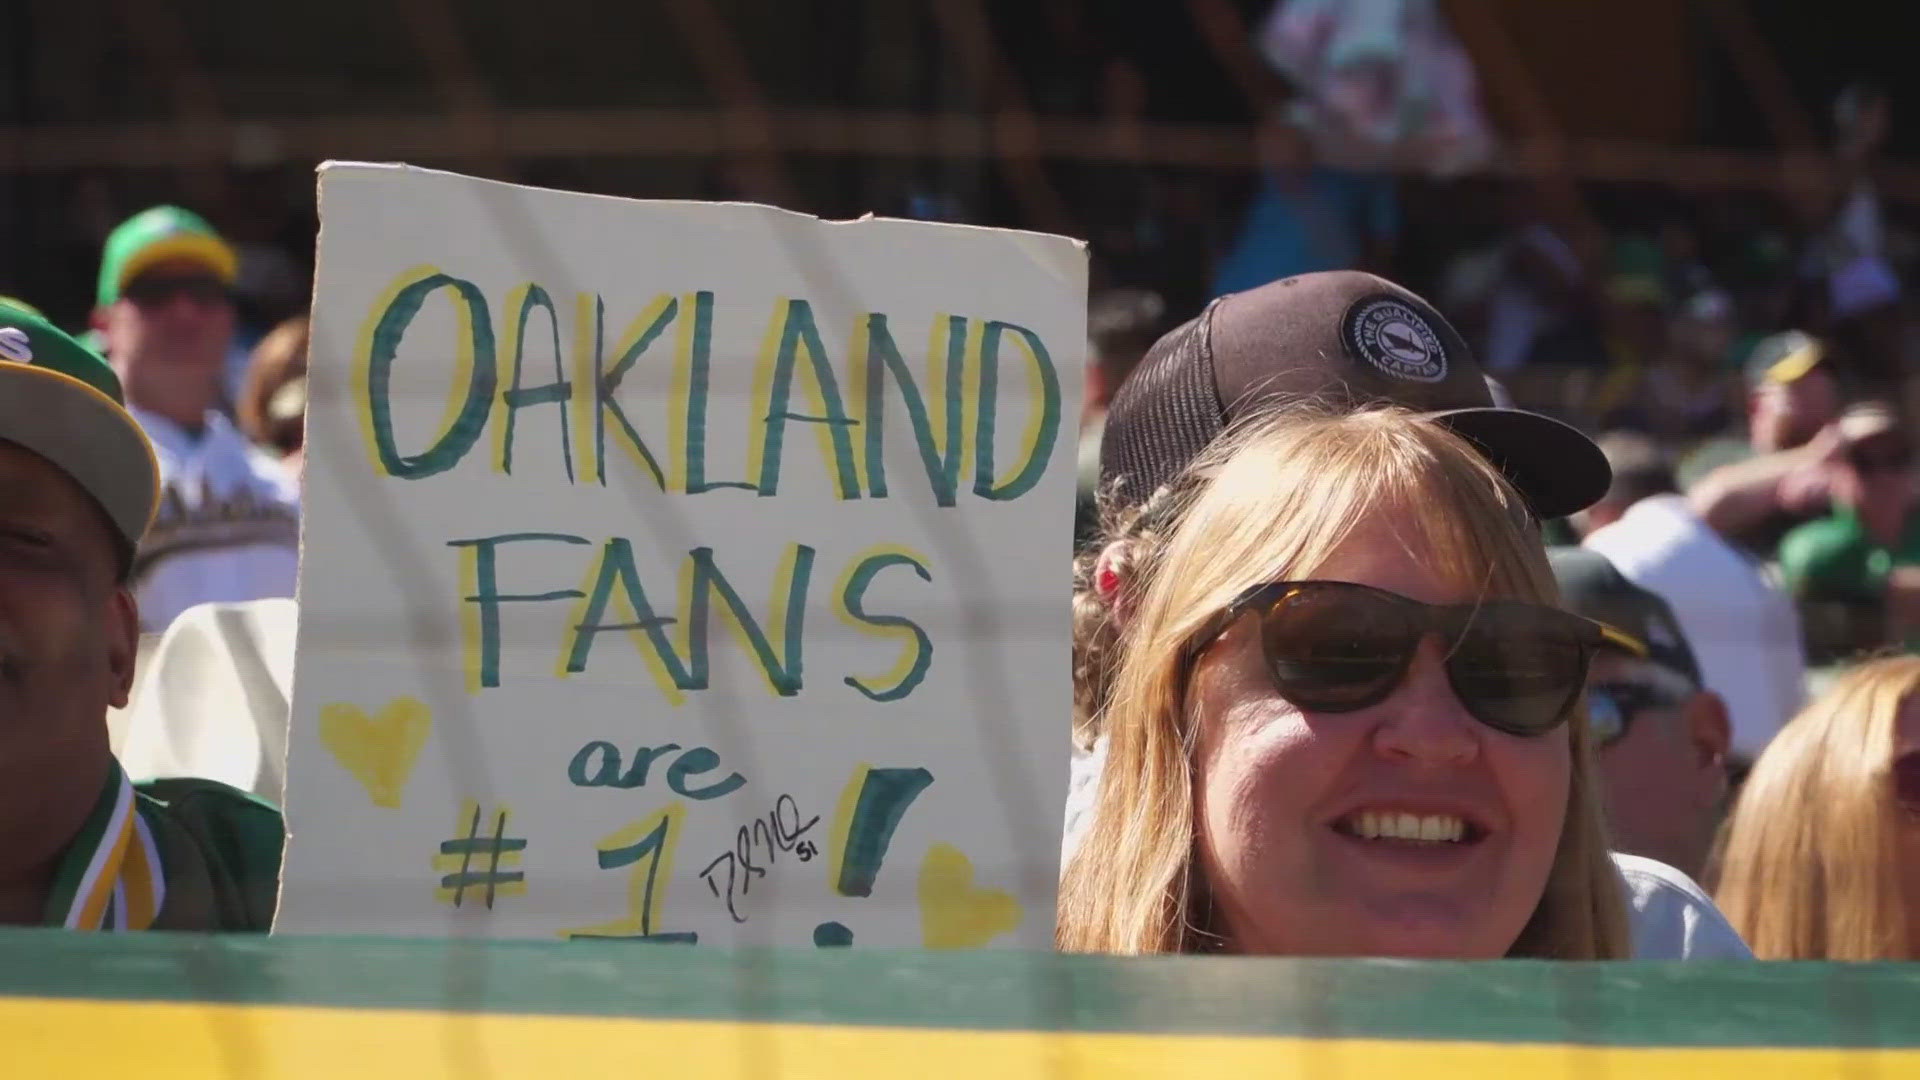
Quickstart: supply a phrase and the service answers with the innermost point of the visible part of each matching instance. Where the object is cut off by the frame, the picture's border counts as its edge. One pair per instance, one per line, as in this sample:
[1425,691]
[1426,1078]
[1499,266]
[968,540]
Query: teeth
[1430,828]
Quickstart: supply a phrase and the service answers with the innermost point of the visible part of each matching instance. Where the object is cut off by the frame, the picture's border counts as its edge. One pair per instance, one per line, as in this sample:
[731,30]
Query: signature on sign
[758,845]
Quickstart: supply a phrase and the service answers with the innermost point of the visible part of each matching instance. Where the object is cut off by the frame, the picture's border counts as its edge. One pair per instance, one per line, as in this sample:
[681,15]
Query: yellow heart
[380,750]
[954,914]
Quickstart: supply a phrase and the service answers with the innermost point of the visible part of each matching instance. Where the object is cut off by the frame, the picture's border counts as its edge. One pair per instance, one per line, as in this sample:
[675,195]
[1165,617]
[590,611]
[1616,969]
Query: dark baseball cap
[1639,622]
[1342,337]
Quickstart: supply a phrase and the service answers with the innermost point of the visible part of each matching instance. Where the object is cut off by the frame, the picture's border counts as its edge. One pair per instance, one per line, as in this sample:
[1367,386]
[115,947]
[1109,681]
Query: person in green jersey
[81,845]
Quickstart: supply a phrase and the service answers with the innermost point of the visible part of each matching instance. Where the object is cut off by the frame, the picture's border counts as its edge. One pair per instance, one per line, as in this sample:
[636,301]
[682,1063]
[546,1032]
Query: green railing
[165,1004]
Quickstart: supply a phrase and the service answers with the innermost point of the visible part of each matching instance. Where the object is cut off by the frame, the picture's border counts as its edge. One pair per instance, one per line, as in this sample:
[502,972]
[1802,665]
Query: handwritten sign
[679,572]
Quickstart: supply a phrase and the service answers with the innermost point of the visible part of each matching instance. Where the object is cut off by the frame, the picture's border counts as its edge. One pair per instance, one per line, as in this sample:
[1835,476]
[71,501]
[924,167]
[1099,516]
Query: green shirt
[1839,575]
[1833,558]
[172,854]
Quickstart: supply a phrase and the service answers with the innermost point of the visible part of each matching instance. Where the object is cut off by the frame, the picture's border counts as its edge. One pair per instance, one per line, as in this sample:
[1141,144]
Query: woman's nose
[1423,721]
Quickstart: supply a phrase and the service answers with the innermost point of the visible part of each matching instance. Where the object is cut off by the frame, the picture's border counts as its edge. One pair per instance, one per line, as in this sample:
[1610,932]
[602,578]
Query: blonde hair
[1809,867]
[1274,500]
[271,410]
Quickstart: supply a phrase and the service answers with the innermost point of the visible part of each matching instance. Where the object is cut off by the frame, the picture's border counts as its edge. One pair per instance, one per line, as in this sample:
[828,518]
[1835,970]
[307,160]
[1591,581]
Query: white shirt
[211,699]
[1743,629]
[228,527]
[1671,917]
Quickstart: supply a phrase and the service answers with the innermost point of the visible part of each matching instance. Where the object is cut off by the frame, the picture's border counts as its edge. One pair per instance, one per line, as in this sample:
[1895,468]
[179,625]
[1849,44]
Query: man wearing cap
[80,845]
[228,524]
[1865,553]
[1741,625]
[1792,401]
[1662,747]
[1663,737]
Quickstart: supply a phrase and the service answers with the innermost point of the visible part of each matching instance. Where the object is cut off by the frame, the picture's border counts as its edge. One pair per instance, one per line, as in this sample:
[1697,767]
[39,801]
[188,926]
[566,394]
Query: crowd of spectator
[1571,632]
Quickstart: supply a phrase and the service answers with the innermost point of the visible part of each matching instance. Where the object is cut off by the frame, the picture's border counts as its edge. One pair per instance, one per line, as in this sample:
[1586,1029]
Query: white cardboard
[385,619]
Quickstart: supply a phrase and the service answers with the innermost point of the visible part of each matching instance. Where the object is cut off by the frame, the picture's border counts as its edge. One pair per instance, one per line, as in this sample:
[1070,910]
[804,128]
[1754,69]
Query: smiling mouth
[1408,828]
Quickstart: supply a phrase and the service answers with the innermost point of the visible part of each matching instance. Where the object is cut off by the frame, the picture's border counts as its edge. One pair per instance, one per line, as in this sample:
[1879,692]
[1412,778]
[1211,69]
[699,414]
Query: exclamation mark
[871,807]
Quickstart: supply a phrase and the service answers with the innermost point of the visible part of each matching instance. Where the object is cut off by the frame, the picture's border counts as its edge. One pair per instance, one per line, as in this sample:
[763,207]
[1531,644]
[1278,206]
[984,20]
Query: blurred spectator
[1792,393]
[1541,288]
[1741,627]
[227,527]
[1866,552]
[1863,116]
[1121,326]
[1822,854]
[1635,328]
[272,408]
[1306,216]
[1688,393]
[1850,255]
[1684,272]
[1866,323]
[82,846]
[1792,399]
[1380,81]
[1762,283]
[1663,739]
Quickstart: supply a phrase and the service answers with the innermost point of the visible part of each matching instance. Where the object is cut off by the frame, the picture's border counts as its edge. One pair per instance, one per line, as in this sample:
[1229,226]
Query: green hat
[151,236]
[61,401]
[1640,623]
[1783,358]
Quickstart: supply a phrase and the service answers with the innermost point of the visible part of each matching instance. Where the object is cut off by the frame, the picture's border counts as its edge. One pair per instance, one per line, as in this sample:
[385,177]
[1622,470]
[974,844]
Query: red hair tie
[1107,581]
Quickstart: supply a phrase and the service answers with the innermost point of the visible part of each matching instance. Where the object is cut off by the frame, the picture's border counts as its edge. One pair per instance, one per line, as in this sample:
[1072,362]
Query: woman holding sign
[1339,710]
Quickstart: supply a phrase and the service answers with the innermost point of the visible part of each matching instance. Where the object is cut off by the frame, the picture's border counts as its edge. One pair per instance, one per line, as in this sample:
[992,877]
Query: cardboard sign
[680,572]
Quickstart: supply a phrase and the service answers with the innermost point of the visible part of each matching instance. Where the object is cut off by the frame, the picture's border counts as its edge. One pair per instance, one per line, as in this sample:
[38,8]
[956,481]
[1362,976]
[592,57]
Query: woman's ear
[1113,580]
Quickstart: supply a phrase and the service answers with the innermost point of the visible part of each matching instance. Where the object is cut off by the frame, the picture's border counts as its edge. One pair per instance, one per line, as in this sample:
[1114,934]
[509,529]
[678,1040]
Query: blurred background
[1706,129]
[1618,201]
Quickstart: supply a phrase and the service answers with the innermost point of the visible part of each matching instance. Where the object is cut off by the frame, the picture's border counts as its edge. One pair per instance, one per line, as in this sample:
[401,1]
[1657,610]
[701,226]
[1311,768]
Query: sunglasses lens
[1906,780]
[1606,717]
[1334,649]
[1517,669]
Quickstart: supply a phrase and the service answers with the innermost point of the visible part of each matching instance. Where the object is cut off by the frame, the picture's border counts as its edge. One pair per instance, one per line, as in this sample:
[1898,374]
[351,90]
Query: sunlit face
[1282,796]
[1658,793]
[1906,740]
[67,638]
[1783,416]
[172,325]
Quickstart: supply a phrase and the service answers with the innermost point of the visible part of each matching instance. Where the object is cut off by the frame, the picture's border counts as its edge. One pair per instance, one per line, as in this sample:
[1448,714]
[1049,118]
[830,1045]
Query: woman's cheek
[1535,773]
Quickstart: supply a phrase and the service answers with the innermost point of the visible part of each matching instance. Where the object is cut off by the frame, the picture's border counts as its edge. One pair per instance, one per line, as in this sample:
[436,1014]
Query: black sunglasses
[153,290]
[1336,646]
[1613,706]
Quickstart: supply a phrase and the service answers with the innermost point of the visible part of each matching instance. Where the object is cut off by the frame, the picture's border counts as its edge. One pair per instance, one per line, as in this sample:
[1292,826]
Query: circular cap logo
[1396,339]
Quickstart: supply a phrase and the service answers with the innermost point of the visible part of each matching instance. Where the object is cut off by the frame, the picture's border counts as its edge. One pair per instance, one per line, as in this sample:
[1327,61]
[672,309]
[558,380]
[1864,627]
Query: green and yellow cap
[60,400]
[158,234]
[1783,358]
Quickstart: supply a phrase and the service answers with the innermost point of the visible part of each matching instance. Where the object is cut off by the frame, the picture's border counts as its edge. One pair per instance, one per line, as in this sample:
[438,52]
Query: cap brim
[1558,470]
[87,435]
[209,251]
